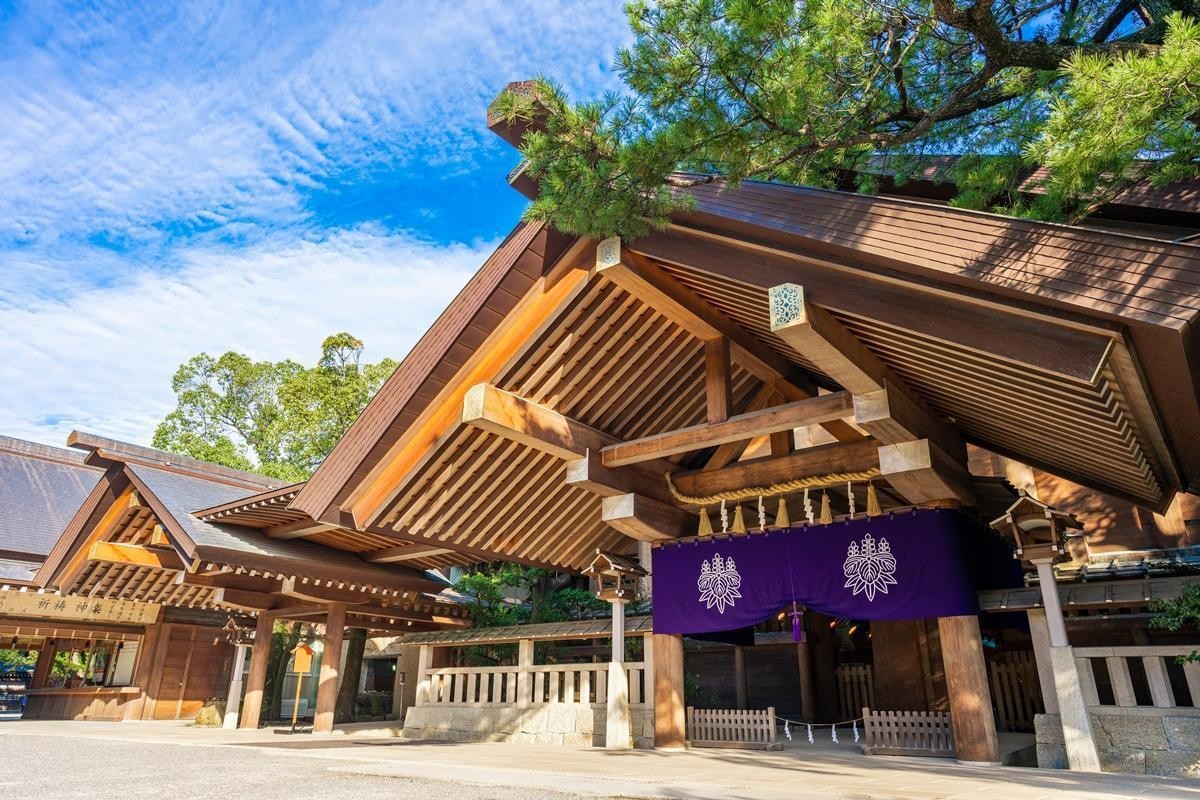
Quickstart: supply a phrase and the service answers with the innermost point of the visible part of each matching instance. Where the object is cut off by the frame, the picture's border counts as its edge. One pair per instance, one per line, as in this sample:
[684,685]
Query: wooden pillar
[808,695]
[398,679]
[41,670]
[260,654]
[424,664]
[331,659]
[970,698]
[739,674]
[670,715]
[524,676]
[1039,633]
[233,699]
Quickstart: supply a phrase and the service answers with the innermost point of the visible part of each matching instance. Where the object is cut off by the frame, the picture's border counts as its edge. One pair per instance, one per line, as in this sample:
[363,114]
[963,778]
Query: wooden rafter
[408,552]
[890,411]
[653,286]
[121,553]
[491,409]
[590,474]
[296,530]
[641,518]
[814,410]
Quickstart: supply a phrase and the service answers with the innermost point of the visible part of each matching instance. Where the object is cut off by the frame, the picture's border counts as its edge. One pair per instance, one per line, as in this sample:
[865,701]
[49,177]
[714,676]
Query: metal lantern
[1040,531]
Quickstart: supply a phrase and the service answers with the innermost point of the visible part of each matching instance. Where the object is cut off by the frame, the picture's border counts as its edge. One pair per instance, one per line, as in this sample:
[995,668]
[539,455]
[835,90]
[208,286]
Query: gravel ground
[37,767]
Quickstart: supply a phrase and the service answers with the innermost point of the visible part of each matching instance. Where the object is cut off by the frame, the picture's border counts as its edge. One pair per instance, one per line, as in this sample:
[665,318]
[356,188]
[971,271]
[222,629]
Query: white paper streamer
[833,732]
[850,494]
[808,508]
[855,730]
[810,739]
[724,518]
[787,731]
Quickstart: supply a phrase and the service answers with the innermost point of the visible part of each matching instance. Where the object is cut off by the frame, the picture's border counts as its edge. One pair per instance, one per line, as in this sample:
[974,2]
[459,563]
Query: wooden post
[1039,633]
[424,663]
[970,699]
[331,659]
[260,654]
[739,674]
[618,734]
[233,699]
[648,669]
[41,670]
[670,722]
[808,696]
[398,689]
[524,676]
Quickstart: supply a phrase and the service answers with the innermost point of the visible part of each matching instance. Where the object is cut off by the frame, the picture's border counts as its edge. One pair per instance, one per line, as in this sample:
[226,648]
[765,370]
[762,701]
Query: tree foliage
[1179,613]
[278,418]
[1100,92]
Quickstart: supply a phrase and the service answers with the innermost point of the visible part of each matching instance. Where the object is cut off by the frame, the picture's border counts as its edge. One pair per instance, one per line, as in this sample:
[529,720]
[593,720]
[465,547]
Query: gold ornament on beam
[739,522]
[781,515]
[873,509]
[826,511]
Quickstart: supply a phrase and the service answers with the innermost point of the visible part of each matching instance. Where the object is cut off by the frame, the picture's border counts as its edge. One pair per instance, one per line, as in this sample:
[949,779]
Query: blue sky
[198,177]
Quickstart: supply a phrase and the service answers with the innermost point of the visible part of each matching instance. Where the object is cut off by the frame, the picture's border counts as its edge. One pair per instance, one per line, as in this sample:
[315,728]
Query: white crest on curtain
[870,568]
[719,583]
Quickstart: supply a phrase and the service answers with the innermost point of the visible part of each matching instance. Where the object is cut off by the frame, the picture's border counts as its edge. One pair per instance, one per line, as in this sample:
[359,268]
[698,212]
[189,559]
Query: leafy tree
[1100,92]
[274,417]
[1182,612]
[17,660]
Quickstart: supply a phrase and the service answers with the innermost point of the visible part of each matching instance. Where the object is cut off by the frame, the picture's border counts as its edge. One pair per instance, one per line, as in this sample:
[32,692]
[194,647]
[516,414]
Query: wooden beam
[491,409]
[822,408]
[113,516]
[294,588]
[820,460]
[646,520]
[732,451]
[297,529]
[390,555]
[158,537]
[717,379]
[244,599]
[134,554]
[590,474]
[921,472]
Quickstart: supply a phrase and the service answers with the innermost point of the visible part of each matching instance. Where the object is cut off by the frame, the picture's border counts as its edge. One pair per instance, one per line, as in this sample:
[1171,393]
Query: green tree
[1100,92]
[278,418]
[1179,613]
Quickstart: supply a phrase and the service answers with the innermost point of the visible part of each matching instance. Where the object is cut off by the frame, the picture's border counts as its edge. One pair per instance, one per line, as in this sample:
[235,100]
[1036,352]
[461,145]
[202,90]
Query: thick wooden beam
[922,473]
[158,537]
[744,426]
[296,530]
[820,460]
[134,554]
[717,379]
[590,474]
[244,599]
[646,520]
[390,555]
[503,413]
[294,588]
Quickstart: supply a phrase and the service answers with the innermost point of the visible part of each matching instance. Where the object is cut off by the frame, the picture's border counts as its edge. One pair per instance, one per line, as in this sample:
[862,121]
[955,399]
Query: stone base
[1130,743]
[570,724]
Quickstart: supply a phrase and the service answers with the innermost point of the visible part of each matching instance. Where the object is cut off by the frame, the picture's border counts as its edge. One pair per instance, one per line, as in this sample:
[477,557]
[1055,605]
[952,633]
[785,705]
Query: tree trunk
[282,645]
[356,645]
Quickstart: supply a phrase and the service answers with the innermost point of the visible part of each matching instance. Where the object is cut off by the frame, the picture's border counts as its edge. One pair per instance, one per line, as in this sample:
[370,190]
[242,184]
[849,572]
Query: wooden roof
[40,488]
[1070,350]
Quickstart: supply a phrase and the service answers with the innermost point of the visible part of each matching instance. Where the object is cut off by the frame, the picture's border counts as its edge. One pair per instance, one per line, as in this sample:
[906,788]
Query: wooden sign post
[302,657]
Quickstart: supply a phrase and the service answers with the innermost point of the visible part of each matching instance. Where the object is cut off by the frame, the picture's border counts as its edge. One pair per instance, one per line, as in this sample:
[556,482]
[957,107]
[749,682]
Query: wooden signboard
[70,607]
[302,658]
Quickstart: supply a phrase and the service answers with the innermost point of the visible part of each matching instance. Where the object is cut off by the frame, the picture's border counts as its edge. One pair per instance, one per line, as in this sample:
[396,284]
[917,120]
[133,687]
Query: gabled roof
[40,489]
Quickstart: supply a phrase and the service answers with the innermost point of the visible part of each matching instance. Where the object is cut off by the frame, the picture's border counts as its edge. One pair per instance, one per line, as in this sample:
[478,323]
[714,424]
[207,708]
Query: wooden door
[195,669]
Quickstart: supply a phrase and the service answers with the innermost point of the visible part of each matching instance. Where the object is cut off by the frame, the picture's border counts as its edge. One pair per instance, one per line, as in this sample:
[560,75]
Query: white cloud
[102,359]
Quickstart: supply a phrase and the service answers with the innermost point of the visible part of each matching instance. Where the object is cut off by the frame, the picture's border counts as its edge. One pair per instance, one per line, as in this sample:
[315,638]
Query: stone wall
[1133,743]
[571,724]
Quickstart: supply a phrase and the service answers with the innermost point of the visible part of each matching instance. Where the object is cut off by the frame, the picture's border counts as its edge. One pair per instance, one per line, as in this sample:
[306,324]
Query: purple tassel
[797,615]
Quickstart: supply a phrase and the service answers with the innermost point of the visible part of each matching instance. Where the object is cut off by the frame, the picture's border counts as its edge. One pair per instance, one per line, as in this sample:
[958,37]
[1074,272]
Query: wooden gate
[1016,690]
[856,689]
[908,733]
[724,727]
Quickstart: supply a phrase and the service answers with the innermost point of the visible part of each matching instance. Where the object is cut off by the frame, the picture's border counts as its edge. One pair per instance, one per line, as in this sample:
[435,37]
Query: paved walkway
[816,771]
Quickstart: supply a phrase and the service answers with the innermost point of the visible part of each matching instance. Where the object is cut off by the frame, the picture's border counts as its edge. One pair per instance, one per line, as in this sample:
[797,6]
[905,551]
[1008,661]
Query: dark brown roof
[40,489]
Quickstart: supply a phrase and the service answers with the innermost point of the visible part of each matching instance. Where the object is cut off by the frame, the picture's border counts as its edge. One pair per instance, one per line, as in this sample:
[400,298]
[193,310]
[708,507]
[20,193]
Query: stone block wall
[1132,743]
[571,724]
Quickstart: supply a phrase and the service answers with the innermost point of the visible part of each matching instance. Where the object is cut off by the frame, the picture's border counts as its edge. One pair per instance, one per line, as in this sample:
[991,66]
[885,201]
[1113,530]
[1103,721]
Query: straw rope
[786,487]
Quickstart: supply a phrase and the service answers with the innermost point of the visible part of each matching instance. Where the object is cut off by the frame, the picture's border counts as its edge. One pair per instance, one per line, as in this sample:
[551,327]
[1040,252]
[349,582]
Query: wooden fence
[856,689]
[907,733]
[1016,692]
[724,727]
[527,685]
[1153,662]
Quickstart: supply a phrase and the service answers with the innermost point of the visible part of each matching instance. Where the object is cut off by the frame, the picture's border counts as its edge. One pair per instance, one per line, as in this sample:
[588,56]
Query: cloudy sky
[180,178]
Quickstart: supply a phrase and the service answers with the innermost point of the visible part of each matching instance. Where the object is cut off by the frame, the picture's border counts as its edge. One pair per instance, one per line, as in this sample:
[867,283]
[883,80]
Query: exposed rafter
[646,520]
[491,409]
[134,555]
[408,552]
[296,530]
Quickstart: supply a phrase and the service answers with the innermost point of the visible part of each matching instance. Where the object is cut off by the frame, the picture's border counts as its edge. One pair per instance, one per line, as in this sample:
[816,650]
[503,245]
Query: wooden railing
[856,689]
[907,733]
[528,685]
[1152,660]
[724,727]
[1015,690]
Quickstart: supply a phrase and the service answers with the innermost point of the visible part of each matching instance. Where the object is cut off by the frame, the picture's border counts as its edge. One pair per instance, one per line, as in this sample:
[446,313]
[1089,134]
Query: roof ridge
[45,452]
[161,458]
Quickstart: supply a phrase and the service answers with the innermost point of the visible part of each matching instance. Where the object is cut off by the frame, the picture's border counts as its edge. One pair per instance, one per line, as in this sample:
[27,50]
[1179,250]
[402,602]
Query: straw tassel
[873,509]
[826,511]
[739,522]
[781,515]
[706,528]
